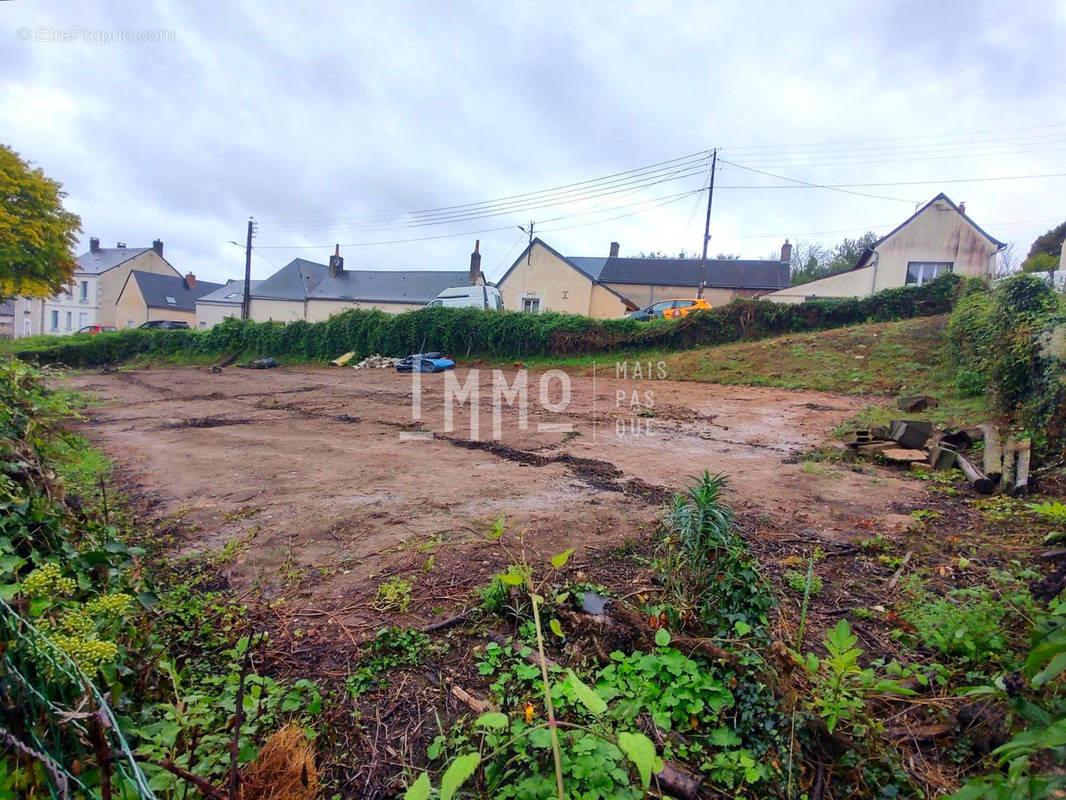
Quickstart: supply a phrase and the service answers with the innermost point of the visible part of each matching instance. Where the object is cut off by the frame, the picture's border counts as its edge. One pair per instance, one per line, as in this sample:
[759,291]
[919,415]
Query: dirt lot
[317,485]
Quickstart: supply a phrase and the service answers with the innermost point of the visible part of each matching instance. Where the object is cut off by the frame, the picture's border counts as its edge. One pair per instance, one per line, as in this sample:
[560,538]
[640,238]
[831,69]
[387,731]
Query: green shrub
[1012,343]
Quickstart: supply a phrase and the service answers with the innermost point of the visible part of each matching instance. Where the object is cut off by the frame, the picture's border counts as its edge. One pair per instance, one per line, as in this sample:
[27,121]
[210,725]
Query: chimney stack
[94,245]
[190,280]
[786,253]
[962,208]
[336,263]
[614,250]
[157,245]
[475,265]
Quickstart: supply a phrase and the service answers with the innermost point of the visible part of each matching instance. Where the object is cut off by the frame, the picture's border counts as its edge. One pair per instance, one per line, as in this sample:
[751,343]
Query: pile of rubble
[377,362]
[1003,465]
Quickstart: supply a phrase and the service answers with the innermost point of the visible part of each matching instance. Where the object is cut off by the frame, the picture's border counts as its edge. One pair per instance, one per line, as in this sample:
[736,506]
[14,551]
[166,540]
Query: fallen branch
[981,483]
[444,623]
[677,782]
[903,565]
[477,705]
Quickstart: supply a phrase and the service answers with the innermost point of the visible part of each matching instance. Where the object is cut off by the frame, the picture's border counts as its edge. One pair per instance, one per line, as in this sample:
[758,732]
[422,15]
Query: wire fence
[56,726]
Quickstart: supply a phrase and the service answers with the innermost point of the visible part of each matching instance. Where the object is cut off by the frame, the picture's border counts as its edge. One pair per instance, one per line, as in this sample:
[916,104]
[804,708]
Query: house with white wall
[223,303]
[91,297]
[938,238]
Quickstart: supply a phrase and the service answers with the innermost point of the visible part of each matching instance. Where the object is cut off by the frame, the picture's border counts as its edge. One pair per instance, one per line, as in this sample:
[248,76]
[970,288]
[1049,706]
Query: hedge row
[465,332]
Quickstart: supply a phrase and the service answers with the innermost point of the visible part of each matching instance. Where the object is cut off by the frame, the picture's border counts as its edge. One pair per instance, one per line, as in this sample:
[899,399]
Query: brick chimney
[190,280]
[614,250]
[336,263]
[157,245]
[962,208]
[475,264]
[94,245]
[786,253]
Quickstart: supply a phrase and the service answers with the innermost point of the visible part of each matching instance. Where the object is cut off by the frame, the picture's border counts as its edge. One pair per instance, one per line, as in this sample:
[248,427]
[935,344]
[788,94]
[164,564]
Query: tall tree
[37,235]
[811,261]
[1046,251]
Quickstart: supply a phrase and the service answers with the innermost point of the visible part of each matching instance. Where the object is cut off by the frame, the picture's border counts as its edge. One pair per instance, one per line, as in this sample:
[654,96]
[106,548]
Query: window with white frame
[531,305]
[84,292]
[919,272]
[83,320]
[55,320]
[70,319]
[171,301]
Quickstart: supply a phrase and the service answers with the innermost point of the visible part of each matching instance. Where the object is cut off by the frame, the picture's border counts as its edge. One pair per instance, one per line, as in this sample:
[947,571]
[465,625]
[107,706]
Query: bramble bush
[466,331]
[1012,340]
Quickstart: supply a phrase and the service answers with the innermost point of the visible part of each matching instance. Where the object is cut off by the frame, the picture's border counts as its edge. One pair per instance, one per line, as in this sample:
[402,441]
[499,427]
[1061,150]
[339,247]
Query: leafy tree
[1040,262]
[37,235]
[661,254]
[811,261]
[1050,243]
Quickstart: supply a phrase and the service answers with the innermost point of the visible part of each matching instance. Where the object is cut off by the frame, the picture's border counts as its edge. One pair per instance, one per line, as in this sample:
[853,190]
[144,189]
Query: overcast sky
[331,122]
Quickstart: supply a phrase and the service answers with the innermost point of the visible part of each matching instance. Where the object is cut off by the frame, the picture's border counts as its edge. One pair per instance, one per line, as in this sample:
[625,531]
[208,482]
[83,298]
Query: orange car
[684,307]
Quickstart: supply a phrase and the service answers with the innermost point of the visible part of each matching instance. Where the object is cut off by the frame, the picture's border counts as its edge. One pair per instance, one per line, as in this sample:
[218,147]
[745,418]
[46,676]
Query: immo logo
[625,407]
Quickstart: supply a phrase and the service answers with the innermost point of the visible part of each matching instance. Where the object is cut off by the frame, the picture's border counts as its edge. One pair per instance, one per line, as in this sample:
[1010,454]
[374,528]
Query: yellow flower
[529,713]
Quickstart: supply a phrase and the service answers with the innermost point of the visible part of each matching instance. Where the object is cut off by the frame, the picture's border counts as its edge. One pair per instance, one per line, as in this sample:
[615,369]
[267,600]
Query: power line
[842,186]
[657,202]
[817,185]
[607,190]
[911,137]
[702,155]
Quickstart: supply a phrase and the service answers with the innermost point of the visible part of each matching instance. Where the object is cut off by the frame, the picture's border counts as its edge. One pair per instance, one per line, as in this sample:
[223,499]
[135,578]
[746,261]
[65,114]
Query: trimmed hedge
[466,331]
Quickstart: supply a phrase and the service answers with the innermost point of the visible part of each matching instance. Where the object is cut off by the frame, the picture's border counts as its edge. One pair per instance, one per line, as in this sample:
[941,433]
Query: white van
[484,297]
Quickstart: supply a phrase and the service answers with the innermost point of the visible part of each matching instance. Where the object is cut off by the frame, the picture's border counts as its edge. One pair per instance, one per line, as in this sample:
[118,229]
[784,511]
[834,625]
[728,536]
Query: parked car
[654,311]
[97,329]
[484,297]
[673,308]
[684,307]
[165,324]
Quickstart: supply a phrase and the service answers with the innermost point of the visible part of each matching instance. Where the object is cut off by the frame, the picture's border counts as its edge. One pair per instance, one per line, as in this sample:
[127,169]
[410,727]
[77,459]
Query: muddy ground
[313,486]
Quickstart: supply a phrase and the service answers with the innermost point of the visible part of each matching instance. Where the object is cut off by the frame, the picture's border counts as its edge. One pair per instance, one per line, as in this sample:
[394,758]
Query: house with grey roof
[149,296]
[311,291]
[99,276]
[543,279]
[937,238]
[223,303]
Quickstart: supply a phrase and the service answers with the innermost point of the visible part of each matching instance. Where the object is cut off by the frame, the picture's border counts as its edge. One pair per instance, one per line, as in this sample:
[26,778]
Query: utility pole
[529,250]
[707,225]
[246,305]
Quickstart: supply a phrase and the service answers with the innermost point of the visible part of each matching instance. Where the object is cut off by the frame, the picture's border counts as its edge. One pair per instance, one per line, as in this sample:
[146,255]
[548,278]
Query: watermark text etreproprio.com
[78,33]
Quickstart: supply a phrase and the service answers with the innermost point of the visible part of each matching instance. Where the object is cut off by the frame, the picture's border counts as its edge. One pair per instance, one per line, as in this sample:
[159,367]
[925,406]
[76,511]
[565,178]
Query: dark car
[654,311]
[165,324]
[97,329]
